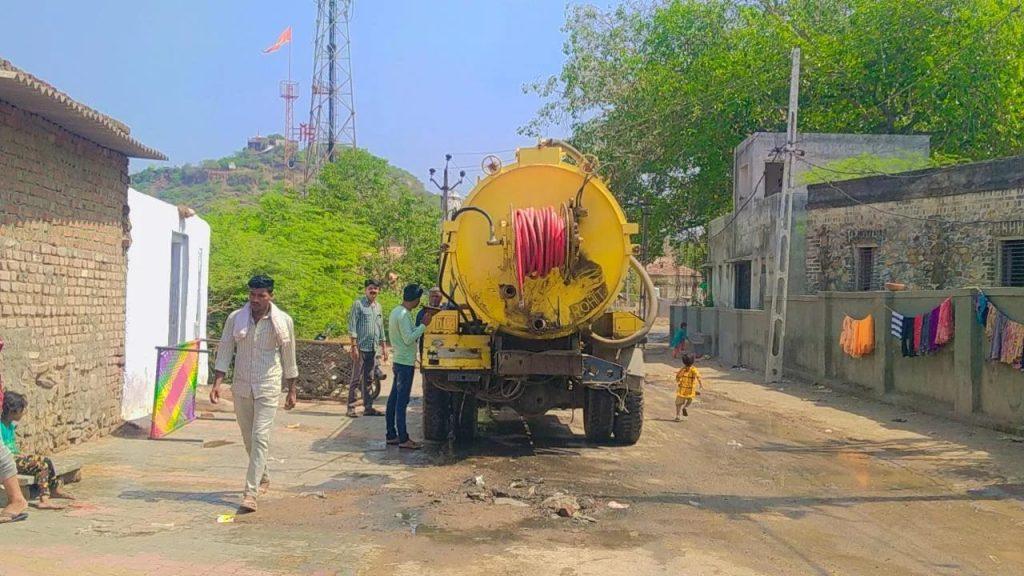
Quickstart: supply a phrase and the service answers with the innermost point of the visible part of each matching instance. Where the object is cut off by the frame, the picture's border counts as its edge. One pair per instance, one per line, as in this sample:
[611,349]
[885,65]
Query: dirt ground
[795,479]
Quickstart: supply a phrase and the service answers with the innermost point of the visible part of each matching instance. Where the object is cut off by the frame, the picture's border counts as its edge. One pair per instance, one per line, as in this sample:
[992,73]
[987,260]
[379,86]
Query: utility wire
[872,205]
[736,213]
[907,174]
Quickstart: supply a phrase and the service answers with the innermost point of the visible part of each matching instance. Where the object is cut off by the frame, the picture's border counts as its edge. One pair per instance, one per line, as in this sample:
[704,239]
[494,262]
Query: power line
[736,213]
[482,153]
[907,174]
[872,205]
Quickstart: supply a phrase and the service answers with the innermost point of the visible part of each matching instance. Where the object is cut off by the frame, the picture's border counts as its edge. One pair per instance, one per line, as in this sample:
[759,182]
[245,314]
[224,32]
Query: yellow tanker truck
[531,266]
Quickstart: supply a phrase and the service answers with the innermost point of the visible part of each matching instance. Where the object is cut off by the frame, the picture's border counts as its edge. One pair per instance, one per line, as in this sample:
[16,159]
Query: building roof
[998,174]
[666,266]
[25,91]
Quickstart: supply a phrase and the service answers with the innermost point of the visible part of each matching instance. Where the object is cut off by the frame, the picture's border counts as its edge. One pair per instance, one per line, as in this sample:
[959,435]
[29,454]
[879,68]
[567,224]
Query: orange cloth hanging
[858,336]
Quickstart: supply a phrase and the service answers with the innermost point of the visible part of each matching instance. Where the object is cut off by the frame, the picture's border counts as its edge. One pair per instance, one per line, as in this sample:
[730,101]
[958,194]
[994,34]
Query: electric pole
[783,225]
[445,188]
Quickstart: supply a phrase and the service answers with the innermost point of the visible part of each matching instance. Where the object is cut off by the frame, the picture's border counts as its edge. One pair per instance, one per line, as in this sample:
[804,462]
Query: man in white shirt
[260,338]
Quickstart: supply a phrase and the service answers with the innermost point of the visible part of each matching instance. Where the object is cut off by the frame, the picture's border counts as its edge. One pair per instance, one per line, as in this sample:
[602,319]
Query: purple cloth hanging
[996,343]
[933,323]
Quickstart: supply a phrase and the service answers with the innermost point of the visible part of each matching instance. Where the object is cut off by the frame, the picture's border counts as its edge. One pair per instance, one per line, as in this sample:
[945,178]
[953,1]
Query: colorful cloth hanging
[858,336]
[1005,336]
[925,333]
[174,401]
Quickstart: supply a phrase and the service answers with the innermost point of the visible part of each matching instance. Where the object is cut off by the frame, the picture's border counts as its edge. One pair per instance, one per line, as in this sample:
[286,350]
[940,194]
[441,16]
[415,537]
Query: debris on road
[617,505]
[318,494]
[734,444]
[564,505]
[225,519]
[216,443]
[511,502]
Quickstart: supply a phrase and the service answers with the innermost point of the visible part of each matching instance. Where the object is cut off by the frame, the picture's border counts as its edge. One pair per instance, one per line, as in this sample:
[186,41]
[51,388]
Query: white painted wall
[149,294]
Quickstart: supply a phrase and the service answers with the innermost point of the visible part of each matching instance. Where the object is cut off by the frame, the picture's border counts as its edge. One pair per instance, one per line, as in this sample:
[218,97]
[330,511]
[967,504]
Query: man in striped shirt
[260,339]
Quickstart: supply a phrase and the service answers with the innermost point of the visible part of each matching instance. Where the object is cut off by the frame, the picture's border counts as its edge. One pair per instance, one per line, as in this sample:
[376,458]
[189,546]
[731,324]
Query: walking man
[260,339]
[366,327]
[405,336]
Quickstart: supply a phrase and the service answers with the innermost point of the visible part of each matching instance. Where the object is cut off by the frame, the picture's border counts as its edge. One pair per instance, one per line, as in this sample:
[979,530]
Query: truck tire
[466,426]
[598,414]
[630,423]
[436,409]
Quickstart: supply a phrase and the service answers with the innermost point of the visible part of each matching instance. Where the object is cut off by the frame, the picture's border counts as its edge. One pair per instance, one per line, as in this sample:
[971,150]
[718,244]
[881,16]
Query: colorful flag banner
[174,400]
[283,39]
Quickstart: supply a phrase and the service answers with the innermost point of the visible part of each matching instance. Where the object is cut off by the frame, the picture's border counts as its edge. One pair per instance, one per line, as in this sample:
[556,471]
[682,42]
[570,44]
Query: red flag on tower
[283,39]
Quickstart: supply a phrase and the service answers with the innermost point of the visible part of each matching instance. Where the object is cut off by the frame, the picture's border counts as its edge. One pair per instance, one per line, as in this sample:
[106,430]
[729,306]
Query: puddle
[346,482]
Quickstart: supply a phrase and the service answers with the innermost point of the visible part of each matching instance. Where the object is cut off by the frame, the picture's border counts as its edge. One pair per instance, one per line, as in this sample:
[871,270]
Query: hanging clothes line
[858,336]
[1005,336]
[925,333]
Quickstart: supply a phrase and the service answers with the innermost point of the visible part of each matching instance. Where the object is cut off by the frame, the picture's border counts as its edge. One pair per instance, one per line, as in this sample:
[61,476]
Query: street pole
[445,188]
[783,225]
[643,254]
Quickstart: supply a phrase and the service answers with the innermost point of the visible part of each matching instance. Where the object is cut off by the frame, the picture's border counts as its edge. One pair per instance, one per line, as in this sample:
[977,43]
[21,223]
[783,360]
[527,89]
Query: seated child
[679,340]
[688,382]
[35,465]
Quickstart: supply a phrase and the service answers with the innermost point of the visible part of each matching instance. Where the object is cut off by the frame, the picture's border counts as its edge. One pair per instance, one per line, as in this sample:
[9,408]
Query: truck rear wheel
[629,423]
[436,409]
[598,414]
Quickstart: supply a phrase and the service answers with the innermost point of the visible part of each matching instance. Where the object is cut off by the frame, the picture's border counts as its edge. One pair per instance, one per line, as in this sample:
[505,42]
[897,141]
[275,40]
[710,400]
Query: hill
[243,176]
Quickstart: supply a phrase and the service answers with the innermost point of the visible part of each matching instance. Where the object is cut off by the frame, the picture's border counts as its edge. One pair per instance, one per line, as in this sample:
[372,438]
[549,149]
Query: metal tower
[332,113]
[289,93]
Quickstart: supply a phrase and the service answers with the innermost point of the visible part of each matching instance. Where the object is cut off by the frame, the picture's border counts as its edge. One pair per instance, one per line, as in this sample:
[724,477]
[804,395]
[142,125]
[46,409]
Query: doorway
[741,284]
[179,289]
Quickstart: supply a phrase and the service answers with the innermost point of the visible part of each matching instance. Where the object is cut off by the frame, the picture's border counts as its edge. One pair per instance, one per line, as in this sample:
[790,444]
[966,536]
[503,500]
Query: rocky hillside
[243,176]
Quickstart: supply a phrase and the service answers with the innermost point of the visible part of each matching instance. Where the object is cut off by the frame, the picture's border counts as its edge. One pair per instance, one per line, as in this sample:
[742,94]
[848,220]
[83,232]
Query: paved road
[797,480]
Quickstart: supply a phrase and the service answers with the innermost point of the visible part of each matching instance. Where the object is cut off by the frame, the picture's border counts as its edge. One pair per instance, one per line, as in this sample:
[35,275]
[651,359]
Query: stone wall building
[740,243]
[939,228]
[63,237]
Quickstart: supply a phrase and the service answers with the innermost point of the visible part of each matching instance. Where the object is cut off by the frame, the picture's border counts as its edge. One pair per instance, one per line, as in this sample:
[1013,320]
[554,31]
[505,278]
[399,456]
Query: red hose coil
[540,242]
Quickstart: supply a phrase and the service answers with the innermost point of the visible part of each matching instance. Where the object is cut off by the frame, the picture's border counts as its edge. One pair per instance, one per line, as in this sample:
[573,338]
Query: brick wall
[62,279]
[926,254]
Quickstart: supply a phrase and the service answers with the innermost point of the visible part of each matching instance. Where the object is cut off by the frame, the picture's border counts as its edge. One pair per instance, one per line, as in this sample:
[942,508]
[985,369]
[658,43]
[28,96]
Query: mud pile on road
[533,492]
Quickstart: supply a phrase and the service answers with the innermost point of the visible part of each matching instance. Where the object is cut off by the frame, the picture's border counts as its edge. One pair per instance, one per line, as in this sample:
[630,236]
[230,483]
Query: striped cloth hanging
[896,325]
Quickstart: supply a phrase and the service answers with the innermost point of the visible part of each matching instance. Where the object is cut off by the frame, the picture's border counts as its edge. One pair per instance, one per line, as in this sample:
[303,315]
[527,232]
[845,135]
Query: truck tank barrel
[550,254]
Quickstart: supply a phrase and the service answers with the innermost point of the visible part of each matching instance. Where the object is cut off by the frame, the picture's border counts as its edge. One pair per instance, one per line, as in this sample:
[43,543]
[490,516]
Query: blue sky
[190,79]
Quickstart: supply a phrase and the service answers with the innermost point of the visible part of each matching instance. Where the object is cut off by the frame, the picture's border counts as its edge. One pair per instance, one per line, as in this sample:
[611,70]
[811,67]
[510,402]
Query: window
[865,268]
[773,178]
[742,186]
[1011,262]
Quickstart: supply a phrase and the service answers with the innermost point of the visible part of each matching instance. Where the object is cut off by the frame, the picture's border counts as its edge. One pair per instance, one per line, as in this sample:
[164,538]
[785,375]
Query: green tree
[365,187]
[313,256]
[663,93]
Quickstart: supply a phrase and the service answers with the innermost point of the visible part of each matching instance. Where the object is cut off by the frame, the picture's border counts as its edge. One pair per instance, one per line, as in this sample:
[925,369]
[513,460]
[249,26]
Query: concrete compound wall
[62,279]
[956,381]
